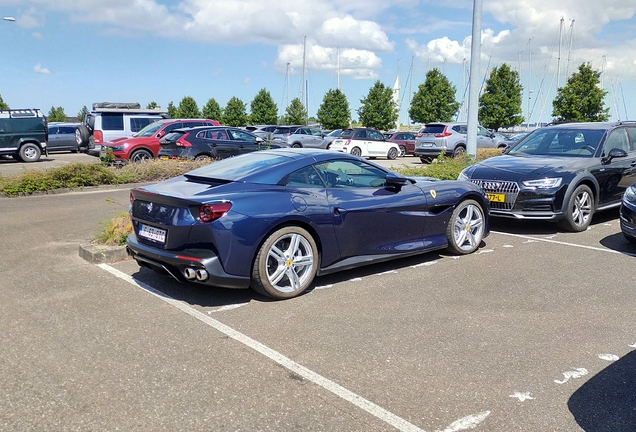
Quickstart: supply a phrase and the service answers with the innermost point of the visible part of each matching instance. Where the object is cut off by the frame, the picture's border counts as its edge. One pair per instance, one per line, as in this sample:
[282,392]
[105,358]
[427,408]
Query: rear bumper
[176,263]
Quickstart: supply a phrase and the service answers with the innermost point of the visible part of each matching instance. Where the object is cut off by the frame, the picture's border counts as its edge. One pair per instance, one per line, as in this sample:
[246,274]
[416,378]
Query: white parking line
[538,239]
[373,409]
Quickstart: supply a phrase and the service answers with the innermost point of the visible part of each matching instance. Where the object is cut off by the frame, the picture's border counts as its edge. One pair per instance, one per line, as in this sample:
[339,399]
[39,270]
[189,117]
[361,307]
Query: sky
[72,53]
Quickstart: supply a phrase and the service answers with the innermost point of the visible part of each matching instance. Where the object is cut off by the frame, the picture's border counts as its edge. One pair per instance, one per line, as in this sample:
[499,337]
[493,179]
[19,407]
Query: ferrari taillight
[213,211]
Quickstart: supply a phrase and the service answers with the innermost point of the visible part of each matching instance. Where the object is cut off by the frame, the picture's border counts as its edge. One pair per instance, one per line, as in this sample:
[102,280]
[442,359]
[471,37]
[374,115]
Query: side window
[305,177]
[375,135]
[177,125]
[361,134]
[53,130]
[350,174]
[241,136]
[316,132]
[631,133]
[617,139]
[66,130]
[113,122]
[138,123]
[481,131]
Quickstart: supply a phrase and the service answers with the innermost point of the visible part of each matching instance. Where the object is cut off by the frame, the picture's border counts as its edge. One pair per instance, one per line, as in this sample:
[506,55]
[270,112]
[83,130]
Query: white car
[365,142]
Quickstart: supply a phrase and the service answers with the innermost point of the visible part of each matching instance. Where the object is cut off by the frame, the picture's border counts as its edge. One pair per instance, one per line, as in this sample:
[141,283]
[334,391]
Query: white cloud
[355,63]
[39,69]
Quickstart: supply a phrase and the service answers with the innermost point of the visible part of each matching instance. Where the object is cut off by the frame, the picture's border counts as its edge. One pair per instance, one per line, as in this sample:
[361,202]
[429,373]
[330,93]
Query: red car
[404,140]
[145,143]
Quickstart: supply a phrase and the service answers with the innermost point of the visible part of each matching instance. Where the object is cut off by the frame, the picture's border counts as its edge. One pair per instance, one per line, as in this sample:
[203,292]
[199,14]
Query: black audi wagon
[563,172]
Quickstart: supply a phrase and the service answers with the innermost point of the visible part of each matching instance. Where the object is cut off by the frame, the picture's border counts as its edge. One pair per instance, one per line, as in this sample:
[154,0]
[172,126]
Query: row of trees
[581,99]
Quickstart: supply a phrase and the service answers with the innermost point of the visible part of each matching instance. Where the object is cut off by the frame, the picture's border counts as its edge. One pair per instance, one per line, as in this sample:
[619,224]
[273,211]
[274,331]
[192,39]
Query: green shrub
[78,175]
[445,168]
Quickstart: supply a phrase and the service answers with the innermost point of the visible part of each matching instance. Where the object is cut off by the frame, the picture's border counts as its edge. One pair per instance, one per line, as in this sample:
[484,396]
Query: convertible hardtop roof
[268,166]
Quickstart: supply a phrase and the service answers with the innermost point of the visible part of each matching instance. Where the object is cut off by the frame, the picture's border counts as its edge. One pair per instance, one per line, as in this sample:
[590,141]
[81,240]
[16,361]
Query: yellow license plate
[496,197]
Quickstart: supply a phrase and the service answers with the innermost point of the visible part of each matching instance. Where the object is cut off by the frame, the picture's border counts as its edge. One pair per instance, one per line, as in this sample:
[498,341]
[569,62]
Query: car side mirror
[395,180]
[614,153]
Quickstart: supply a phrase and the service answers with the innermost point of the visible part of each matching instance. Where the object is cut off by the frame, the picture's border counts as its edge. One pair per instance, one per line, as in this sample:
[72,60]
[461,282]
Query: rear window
[433,129]
[235,168]
[172,136]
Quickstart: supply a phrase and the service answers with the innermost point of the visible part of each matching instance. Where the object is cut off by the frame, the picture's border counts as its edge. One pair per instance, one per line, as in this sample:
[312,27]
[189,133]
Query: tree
[263,109]
[434,100]
[152,105]
[172,110]
[82,114]
[295,113]
[234,113]
[212,110]
[581,99]
[334,111]
[3,105]
[188,108]
[378,110]
[56,114]
[500,104]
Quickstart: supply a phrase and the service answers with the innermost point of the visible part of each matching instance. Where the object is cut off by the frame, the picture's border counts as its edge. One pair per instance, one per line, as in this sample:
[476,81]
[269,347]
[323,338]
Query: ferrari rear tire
[356,151]
[286,263]
[465,230]
[393,153]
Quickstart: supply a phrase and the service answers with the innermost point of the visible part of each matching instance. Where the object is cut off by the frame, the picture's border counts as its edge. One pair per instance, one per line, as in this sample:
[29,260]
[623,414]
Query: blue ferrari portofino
[275,219]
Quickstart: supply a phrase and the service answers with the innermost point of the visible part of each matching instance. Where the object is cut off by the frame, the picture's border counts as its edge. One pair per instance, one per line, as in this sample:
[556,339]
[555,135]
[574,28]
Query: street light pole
[473,92]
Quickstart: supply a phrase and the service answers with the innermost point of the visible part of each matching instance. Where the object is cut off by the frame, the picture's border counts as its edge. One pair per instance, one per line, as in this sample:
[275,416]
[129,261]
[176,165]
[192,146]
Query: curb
[96,254]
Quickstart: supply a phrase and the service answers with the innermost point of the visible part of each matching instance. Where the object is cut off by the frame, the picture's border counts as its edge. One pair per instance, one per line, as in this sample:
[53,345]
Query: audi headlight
[546,183]
[630,195]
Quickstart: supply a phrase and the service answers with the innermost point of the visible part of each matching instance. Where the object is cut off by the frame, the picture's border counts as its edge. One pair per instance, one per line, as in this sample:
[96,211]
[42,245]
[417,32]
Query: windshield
[149,130]
[564,142]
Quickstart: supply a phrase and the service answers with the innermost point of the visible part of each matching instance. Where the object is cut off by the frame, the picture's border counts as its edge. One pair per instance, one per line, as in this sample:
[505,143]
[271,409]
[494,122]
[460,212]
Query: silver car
[450,139]
[299,136]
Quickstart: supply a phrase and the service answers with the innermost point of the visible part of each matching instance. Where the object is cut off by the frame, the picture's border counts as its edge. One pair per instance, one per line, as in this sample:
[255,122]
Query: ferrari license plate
[496,197]
[151,233]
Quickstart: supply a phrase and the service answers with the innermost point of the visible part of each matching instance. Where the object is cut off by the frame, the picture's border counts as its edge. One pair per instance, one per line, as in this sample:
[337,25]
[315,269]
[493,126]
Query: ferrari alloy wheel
[286,263]
[466,227]
[580,209]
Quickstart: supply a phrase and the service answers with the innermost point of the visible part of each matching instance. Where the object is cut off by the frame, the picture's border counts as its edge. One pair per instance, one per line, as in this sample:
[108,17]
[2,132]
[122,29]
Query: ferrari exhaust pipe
[202,275]
[190,273]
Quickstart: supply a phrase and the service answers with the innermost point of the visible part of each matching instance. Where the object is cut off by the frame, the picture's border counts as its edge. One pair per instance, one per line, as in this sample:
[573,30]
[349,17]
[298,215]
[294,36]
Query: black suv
[23,134]
[563,172]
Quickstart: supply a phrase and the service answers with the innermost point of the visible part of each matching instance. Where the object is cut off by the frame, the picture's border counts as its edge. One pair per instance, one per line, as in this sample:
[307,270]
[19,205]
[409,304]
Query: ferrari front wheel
[286,263]
[466,227]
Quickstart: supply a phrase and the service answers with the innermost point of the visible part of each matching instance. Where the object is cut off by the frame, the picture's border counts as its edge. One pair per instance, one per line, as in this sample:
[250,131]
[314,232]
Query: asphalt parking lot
[533,332]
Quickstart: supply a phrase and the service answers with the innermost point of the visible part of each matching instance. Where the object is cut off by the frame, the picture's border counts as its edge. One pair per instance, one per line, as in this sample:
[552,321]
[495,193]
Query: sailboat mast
[559,57]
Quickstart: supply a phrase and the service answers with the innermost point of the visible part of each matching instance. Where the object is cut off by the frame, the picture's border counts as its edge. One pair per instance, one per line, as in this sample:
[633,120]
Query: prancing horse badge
[433,193]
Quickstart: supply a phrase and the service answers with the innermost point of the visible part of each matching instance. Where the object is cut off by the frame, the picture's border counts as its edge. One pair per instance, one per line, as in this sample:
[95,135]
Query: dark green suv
[23,134]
